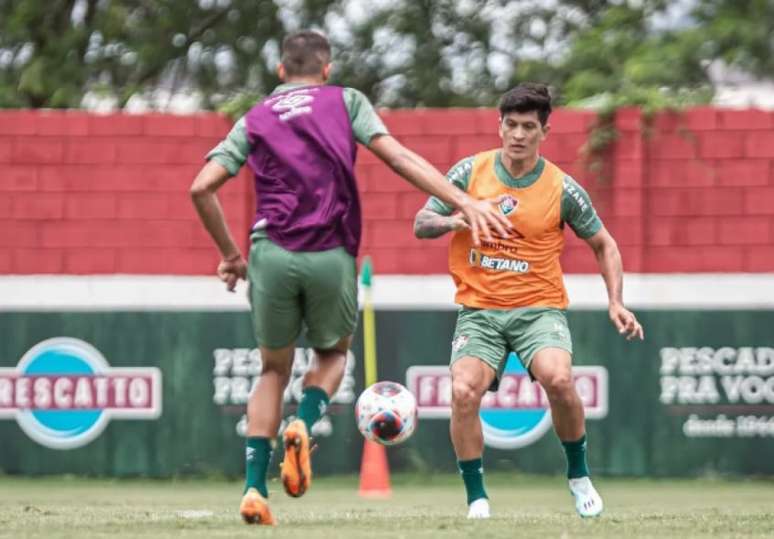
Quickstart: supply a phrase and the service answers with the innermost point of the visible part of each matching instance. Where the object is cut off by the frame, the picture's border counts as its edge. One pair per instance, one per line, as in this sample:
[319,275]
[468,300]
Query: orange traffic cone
[374,472]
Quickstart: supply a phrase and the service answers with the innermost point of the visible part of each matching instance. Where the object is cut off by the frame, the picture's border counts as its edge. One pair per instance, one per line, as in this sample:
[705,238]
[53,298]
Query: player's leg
[544,341]
[329,290]
[322,380]
[264,413]
[320,383]
[552,368]
[330,315]
[477,351]
[276,313]
[471,378]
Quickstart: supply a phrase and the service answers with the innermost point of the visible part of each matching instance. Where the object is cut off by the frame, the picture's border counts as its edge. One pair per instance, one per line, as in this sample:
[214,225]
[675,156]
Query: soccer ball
[386,413]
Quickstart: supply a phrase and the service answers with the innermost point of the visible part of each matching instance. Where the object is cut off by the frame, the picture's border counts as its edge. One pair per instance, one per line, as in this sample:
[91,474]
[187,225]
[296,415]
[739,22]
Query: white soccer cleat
[588,502]
[479,509]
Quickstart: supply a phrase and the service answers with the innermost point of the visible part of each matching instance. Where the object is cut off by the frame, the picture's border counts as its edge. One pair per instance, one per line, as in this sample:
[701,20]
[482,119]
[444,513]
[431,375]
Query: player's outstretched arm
[203,194]
[611,267]
[481,215]
[429,224]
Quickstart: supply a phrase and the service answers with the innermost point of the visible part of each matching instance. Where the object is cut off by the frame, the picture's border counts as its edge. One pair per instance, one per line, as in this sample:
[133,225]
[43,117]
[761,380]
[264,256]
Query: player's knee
[465,398]
[559,385]
[280,369]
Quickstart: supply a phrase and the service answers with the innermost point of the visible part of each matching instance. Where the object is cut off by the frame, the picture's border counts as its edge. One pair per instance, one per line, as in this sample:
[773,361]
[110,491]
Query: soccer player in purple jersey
[300,143]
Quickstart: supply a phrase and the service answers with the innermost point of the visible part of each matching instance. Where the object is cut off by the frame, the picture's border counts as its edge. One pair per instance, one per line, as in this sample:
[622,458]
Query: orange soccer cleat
[296,469]
[255,509]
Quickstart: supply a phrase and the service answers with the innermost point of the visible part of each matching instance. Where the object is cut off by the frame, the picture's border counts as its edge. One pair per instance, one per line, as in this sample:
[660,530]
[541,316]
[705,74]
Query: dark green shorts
[491,334]
[290,290]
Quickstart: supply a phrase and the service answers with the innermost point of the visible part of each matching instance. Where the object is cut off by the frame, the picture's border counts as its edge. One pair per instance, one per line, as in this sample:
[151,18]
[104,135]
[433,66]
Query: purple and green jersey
[300,144]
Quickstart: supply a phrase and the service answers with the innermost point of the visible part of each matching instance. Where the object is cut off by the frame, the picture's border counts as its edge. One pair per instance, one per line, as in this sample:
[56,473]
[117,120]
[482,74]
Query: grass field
[421,507]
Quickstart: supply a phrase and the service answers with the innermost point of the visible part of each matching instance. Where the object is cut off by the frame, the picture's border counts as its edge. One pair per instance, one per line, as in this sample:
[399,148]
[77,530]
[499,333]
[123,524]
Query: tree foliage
[399,52]
[621,61]
[53,51]
[739,32]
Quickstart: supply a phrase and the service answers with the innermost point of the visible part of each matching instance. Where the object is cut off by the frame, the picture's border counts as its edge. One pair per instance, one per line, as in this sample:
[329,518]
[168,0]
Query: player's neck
[519,167]
[305,81]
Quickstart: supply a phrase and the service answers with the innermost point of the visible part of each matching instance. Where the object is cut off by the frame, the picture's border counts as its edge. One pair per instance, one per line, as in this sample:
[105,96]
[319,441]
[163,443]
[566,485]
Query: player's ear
[281,73]
[546,128]
[500,127]
[326,72]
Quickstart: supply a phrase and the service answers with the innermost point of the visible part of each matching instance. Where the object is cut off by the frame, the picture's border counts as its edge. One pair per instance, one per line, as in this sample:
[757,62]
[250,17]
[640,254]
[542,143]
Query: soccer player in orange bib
[512,292]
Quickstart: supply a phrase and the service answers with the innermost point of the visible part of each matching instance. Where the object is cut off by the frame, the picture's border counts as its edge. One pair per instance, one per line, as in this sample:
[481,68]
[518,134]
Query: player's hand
[625,322]
[485,218]
[458,222]
[231,269]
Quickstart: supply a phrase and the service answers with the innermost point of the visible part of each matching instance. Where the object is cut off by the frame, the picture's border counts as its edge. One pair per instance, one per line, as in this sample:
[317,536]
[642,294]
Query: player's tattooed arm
[484,219]
[428,224]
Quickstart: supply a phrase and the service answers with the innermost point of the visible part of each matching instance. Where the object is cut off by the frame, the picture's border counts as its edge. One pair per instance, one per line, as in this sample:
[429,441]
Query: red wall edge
[92,194]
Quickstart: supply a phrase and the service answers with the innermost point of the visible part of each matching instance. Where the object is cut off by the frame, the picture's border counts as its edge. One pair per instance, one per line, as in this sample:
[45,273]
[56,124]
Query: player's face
[522,134]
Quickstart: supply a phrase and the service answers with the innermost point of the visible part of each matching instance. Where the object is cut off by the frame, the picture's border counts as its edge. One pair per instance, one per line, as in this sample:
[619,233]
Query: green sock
[576,458]
[472,472]
[314,402]
[257,457]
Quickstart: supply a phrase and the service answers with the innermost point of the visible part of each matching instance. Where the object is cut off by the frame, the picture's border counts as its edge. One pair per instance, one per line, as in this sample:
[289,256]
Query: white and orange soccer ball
[386,412]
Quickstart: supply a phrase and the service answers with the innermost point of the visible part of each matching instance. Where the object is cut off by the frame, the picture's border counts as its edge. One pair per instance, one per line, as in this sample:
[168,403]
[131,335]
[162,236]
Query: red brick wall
[86,194]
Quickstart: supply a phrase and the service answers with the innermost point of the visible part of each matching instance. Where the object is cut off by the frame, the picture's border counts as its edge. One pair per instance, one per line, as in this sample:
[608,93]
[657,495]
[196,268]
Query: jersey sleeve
[366,124]
[232,151]
[459,175]
[577,210]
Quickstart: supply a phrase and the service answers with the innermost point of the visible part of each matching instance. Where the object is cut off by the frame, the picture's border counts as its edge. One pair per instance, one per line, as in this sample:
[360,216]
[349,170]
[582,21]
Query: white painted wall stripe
[394,292]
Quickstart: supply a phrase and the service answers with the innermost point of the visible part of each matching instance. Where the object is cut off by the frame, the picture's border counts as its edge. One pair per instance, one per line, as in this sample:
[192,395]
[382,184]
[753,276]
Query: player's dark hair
[305,53]
[527,97]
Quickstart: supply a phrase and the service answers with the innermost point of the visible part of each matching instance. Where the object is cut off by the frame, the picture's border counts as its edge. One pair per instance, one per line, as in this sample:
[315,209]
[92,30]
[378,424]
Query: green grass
[421,507]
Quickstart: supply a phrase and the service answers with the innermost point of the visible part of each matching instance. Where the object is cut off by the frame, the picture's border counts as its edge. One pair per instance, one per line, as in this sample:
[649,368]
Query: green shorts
[290,290]
[491,334]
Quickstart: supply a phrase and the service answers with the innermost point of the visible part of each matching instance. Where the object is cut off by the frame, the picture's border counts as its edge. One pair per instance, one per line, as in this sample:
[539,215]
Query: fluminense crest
[508,204]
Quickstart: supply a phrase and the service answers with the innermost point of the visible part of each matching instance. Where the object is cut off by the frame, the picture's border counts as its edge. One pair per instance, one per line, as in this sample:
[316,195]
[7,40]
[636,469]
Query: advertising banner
[163,393]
